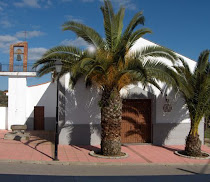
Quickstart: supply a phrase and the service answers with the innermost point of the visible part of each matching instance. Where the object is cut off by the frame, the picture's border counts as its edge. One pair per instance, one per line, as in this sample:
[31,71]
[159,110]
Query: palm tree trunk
[193,143]
[111,111]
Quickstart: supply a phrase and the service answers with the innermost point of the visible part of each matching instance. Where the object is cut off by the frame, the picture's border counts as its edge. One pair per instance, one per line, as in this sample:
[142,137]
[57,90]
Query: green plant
[3,99]
[195,88]
[111,66]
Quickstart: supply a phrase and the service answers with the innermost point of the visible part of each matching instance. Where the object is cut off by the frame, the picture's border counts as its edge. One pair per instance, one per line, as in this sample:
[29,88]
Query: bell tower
[20,50]
[18,70]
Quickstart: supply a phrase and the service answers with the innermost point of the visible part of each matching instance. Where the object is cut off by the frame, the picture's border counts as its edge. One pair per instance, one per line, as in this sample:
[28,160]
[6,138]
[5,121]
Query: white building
[79,114]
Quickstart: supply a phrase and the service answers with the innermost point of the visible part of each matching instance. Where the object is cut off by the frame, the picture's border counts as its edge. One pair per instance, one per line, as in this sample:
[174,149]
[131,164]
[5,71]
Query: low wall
[49,123]
[3,118]
[174,133]
[80,134]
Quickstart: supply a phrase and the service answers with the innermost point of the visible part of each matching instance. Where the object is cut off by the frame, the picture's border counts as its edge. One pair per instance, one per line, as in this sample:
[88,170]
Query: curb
[191,157]
[92,153]
[97,163]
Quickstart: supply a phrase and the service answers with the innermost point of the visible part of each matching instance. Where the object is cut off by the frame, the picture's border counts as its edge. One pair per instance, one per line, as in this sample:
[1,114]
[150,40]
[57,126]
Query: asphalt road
[75,173]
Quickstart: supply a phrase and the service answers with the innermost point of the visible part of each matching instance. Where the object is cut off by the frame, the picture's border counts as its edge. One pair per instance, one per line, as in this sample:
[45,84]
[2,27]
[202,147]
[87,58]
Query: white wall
[82,107]
[179,113]
[3,118]
[41,95]
[16,100]
[143,42]
[82,113]
[22,99]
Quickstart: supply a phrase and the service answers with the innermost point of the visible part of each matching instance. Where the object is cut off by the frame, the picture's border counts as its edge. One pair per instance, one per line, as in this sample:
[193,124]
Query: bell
[19,57]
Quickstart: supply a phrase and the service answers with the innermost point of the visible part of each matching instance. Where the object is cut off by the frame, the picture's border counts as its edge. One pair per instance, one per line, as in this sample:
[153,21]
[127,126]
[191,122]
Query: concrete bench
[19,128]
[18,133]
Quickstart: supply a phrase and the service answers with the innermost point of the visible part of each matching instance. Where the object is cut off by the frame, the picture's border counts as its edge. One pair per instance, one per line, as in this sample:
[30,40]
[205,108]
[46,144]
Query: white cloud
[66,1]
[3,5]
[70,17]
[6,41]
[33,3]
[36,53]
[128,4]
[6,23]
[29,34]
[91,49]
[7,38]
[28,3]
[48,3]
[87,1]
[78,42]
[35,26]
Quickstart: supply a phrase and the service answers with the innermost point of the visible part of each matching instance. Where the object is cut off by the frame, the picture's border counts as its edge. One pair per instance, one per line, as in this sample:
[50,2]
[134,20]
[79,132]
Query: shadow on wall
[42,96]
[179,111]
[79,113]
[79,121]
[167,129]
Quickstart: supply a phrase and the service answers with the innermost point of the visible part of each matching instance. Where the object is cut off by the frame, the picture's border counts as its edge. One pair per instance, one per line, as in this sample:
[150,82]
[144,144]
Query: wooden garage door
[39,118]
[136,121]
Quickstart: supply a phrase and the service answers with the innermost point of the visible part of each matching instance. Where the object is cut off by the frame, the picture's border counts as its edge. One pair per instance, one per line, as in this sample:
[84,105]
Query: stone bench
[18,133]
[19,128]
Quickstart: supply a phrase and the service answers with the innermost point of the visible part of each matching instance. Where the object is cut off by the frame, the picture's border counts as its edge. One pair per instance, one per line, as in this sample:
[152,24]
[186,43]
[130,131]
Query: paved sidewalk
[38,149]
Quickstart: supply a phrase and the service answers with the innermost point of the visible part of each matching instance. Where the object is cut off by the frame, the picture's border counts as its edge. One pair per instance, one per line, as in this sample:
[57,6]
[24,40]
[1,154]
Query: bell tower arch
[19,46]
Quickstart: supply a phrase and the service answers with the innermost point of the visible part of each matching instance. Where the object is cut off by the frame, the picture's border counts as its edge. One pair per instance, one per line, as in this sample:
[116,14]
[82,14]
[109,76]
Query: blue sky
[181,25]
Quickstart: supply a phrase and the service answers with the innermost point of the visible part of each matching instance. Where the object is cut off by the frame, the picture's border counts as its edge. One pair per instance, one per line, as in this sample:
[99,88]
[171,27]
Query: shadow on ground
[38,138]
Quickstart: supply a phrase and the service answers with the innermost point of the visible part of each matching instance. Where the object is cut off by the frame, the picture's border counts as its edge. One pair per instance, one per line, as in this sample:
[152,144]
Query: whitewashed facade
[79,114]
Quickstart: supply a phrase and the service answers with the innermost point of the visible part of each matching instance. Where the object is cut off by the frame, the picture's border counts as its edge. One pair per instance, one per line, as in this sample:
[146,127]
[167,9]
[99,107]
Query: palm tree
[195,88]
[111,66]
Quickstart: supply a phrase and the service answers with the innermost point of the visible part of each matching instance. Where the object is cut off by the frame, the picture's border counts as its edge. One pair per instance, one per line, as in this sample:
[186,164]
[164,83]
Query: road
[79,173]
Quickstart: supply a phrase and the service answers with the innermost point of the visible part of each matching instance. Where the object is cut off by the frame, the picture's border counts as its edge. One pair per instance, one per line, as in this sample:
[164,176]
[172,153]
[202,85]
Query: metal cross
[25,33]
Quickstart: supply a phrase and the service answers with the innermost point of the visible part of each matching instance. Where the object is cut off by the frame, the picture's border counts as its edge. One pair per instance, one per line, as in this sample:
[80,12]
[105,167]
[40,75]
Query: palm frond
[47,68]
[161,72]
[123,46]
[95,75]
[154,83]
[88,34]
[117,27]
[137,19]
[155,52]
[136,35]
[128,77]
[136,65]
[60,52]
[202,61]
[195,88]
[108,15]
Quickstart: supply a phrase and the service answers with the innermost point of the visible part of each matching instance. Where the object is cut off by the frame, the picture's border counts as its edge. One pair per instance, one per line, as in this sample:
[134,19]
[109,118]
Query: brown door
[136,121]
[39,118]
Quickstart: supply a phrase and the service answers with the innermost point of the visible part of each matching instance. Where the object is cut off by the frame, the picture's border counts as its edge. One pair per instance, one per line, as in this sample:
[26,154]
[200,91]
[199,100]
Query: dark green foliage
[207,133]
[195,88]
[111,66]
[3,99]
